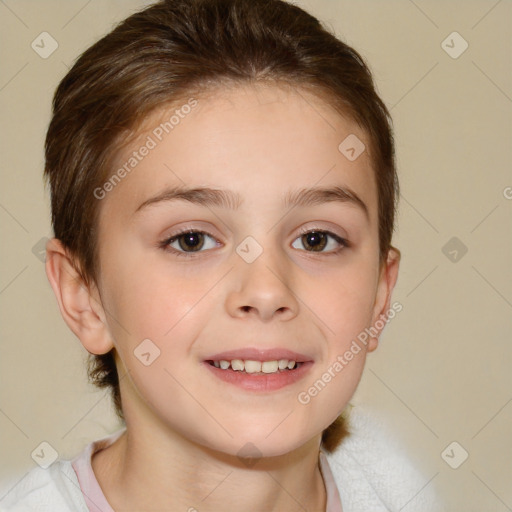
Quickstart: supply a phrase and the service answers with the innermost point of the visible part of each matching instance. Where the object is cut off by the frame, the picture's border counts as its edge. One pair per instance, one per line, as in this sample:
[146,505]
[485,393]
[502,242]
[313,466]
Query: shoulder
[373,472]
[55,489]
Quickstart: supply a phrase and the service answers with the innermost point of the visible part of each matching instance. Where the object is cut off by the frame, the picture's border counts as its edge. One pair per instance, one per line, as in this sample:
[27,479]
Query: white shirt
[366,473]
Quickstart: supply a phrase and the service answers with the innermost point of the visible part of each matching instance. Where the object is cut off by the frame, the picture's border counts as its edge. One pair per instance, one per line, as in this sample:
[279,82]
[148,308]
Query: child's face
[262,145]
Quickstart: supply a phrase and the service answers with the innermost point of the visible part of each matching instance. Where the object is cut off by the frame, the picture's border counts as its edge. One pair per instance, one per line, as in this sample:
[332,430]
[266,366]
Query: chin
[274,445]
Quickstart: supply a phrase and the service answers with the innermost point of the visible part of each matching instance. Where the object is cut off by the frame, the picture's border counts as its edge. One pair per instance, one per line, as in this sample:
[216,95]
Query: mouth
[258,370]
[253,367]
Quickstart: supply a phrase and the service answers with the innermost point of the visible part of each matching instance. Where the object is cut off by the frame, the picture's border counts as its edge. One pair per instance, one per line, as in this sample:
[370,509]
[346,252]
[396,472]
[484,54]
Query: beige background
[443,370]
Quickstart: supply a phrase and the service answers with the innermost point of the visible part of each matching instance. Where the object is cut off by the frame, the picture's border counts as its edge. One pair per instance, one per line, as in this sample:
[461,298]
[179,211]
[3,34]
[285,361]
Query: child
[223,196]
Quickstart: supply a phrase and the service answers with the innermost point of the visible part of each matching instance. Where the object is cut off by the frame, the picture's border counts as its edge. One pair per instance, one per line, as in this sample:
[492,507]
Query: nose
[263,289]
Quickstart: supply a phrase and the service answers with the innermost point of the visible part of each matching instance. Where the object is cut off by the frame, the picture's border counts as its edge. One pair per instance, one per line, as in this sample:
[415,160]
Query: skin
[185,426]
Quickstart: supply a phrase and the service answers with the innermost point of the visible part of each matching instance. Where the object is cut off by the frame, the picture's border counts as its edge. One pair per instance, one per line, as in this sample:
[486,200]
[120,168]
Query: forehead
[256,140]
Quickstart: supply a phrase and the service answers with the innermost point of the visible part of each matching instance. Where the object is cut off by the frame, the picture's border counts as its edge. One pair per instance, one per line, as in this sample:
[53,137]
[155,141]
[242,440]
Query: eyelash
[164,244]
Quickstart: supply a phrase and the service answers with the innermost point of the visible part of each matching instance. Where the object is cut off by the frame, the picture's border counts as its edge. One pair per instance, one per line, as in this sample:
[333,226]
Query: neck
[165,471]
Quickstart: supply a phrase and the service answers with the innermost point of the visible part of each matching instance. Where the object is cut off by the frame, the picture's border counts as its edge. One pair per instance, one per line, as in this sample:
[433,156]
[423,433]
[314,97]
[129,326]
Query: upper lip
[255,354]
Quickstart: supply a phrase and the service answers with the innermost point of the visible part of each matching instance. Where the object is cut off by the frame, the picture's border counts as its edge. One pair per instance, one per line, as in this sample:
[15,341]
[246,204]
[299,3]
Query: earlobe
[387,280]
[81,311]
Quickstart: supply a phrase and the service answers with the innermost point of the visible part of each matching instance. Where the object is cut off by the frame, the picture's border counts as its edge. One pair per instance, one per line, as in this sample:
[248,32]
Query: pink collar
[96,501]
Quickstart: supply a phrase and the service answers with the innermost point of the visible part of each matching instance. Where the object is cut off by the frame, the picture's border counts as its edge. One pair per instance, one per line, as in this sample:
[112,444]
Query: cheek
[343,303]
[149,299]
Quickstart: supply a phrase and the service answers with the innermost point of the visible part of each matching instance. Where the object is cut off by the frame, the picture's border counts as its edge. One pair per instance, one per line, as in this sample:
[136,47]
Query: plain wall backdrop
[442,373]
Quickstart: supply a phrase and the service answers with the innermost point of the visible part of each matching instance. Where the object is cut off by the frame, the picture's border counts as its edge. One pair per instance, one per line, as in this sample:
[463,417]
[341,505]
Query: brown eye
[193,241]
[316,240]
[186,243]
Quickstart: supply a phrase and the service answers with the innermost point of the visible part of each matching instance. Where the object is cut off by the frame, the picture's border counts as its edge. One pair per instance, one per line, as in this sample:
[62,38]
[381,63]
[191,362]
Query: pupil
[193,241]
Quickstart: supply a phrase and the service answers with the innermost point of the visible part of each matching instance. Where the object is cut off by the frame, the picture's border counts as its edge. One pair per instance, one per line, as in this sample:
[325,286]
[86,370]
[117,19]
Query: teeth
[269,367]
[250,366]
[237,365]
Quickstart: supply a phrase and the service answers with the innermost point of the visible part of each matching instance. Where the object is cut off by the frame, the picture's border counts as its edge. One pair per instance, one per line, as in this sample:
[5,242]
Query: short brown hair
[170,51]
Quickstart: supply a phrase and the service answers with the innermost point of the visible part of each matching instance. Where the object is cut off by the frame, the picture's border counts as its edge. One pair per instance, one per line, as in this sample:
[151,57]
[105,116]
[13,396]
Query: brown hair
[175,49]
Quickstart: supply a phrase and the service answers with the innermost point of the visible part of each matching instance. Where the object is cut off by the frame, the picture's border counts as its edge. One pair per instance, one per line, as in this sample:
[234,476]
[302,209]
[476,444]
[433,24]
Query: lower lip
[261,381]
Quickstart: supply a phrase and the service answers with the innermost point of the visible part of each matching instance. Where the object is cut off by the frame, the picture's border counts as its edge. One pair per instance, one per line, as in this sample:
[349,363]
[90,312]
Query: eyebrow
[304,197]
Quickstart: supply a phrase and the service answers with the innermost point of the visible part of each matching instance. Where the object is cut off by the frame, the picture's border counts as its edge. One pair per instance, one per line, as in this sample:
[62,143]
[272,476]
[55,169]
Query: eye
[317,240]
[187,242]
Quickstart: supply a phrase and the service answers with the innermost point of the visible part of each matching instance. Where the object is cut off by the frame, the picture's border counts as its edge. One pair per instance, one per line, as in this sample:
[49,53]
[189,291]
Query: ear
[80,307]
[387,279]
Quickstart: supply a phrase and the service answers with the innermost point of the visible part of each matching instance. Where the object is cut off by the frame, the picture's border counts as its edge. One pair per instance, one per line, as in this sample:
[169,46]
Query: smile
[259,370]
[256,367]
